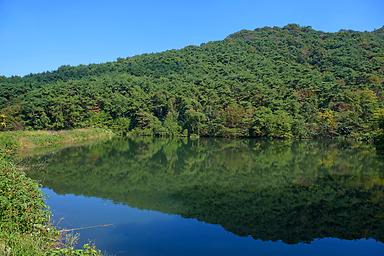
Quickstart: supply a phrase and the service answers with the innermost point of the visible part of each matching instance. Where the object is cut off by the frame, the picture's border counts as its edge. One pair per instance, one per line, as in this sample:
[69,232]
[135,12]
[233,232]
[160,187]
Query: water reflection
[270,190]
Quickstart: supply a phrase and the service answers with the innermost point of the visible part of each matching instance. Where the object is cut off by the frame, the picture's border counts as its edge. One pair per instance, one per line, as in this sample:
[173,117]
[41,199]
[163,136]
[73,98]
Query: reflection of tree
[271,190]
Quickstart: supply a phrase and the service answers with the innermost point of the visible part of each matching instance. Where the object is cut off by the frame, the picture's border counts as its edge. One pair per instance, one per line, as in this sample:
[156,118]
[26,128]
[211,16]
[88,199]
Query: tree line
[270,82]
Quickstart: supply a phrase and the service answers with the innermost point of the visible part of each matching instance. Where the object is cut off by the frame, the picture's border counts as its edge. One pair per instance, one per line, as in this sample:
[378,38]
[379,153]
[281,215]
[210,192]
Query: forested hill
[276,82]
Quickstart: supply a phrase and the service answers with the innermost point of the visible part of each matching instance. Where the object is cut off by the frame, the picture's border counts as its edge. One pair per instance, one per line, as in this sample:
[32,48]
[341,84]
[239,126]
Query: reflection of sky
[144,232]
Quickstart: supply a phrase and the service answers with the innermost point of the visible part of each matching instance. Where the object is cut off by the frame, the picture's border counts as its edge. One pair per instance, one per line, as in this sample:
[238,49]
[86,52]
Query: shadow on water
[270,190]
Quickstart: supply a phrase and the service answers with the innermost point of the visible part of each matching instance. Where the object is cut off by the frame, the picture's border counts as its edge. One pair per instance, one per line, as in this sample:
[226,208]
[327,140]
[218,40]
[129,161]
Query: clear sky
[41,35]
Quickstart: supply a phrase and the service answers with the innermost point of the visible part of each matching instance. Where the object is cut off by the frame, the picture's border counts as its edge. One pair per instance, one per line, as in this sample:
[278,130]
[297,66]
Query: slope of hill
[276,82]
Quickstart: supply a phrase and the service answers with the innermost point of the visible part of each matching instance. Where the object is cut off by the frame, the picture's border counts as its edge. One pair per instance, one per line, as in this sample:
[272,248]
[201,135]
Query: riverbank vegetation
[271,82]
[25,227]
[290,82]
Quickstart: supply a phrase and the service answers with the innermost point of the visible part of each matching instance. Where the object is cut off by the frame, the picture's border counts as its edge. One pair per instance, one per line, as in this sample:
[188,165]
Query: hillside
[275,82]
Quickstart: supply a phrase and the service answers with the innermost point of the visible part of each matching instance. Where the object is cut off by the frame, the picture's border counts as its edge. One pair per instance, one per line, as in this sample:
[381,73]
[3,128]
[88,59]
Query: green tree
[276,124]
[3,123]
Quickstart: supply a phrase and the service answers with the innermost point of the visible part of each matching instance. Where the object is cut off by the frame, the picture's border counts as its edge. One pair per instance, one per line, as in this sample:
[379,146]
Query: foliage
[3,123]
[275,82]
[276,124]
[378,117]
[87,250]
[25,227]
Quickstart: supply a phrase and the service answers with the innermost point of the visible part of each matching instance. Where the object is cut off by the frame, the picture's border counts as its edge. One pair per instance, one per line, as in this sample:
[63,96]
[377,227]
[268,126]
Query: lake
[218,196]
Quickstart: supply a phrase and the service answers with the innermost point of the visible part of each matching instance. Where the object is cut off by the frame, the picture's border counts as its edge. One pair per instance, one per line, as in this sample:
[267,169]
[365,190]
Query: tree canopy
[275,82]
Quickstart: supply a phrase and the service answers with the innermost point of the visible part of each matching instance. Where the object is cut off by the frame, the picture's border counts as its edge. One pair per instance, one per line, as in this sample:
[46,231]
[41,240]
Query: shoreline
[25,225]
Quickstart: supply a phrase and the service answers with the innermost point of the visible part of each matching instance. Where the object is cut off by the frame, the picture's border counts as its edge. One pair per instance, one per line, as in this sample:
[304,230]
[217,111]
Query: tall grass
[25,227]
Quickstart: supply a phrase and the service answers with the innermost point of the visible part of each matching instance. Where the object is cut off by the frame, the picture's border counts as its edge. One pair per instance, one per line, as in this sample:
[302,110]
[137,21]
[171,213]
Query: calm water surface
[218,197]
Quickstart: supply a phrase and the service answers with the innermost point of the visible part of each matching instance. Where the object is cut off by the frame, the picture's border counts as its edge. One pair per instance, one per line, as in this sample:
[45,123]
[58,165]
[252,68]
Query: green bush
[25,228]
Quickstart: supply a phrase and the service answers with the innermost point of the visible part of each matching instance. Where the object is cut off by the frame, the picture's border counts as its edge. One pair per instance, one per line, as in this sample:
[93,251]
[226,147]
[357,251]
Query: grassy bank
[25,227]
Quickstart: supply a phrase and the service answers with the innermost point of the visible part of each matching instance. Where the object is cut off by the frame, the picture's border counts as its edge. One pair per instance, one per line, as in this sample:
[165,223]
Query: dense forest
[271,82]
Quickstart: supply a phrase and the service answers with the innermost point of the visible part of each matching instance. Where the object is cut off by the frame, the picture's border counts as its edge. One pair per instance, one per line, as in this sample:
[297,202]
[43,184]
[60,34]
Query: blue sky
[42,35]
